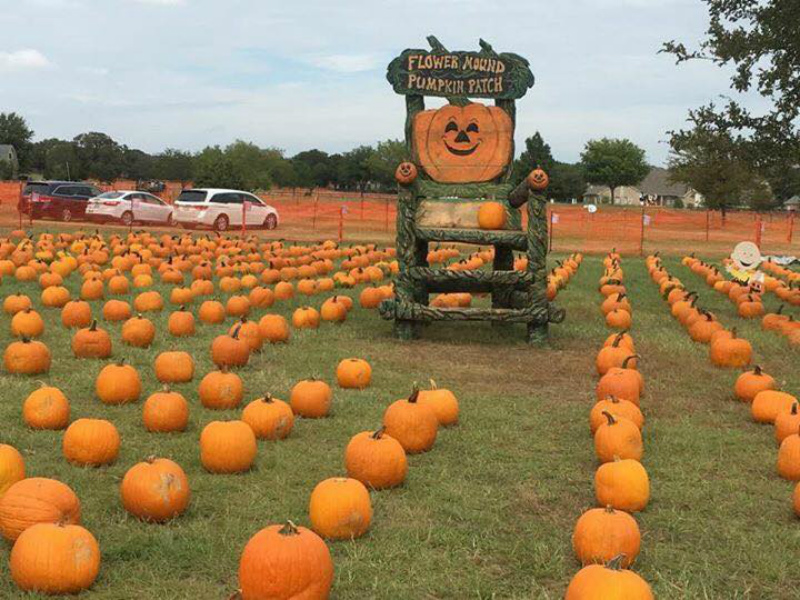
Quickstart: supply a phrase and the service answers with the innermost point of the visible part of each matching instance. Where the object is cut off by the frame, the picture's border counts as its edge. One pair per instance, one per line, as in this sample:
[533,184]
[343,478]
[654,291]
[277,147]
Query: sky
[301,74]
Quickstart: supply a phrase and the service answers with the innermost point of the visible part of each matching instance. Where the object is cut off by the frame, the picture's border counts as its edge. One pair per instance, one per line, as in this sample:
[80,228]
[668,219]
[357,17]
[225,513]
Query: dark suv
[62,200]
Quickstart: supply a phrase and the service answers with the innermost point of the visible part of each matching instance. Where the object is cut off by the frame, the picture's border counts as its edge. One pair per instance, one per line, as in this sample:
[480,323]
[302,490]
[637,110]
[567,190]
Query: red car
[62,200]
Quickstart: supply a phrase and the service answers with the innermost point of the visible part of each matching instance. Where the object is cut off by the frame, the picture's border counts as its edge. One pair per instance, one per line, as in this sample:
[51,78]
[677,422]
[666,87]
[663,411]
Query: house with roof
[654,190]
[792,204]
[8,154]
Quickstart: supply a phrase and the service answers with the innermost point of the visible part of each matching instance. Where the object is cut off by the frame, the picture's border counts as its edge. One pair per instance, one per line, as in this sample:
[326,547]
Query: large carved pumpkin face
[466,144]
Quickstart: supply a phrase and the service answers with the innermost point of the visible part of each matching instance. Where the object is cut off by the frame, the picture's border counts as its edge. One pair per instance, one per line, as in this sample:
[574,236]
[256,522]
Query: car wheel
[271,222]
[127,218]
[221,223]
[66,215]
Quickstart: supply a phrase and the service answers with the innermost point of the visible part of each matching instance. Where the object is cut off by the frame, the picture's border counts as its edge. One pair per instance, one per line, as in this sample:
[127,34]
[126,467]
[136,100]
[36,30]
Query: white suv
[223,209]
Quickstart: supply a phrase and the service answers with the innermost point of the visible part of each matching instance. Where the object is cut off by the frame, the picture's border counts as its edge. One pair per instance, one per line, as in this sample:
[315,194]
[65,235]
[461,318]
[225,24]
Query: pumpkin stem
[615,564]
[268,398]
[93,326]
[433,385]
[780,310]
[628,359]
[412,399]
[757,370]
[380,431]
[618,338]
[289,528]
[610,417]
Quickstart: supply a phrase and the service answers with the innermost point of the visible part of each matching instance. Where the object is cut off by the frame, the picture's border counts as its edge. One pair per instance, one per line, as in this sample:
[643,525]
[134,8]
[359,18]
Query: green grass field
[489,512]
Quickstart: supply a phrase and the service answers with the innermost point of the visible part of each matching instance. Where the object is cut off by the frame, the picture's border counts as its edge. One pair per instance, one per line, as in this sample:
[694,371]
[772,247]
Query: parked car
[63,200]
[130,207]
[223,209]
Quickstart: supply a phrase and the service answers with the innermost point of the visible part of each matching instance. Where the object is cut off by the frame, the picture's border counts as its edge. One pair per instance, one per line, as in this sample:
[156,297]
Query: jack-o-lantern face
[456,144]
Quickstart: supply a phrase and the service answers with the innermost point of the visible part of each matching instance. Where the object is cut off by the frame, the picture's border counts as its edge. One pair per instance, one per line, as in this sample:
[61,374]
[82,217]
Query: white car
[223,209]
[129,207]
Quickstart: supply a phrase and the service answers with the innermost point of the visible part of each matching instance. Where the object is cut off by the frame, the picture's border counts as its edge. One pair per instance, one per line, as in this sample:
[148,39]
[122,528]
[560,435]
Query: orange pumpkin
[55,559]
[601,534]
[37,500]
[91,342]
[492,215]
[91,442]
[623,484]
[353,373]
[270,418]
[311,398]
[340,508]
[138,331]
[174,367]
[165,411]
[155,490]
[375,459]
[227,447]
[412,424]
[12,467]
[297,558]
[220,390]
[118,383]
[459,144]
[46,408]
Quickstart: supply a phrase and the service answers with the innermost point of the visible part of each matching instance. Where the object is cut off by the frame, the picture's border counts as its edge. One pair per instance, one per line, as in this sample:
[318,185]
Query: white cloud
[347,63]
[20,60]
[162,2]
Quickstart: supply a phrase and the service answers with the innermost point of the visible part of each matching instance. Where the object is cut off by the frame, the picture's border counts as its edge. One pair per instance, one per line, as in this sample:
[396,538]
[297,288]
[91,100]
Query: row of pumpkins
[54,554]
[767,404]
[607,540]
[749,303]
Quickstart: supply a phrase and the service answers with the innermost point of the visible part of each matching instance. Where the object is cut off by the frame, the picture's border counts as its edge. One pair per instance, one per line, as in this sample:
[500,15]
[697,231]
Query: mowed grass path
[489,512]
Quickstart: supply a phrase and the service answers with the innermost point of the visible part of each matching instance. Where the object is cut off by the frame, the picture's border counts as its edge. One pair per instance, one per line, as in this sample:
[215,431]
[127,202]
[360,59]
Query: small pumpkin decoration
[91,342]
[227,447]
[412,424]
[91,442]
[311,398]
[492,215]
[593,582]
[353,373]
[27,357]
[165,412]
[406,173]
[375,459]
[155,490]
[181,323]
[46,408]
[221,390]
[601,534]
[750,383]
[538,180]
[37,500]
[443,402]
[12,467]
[229,350]
[460,144]
[269,418]
[118,384]
[174,366]
[274,329]
[138,331]
[623,484]
[340,508]
[76,314]
[617,437]
[55,559]
[297,557]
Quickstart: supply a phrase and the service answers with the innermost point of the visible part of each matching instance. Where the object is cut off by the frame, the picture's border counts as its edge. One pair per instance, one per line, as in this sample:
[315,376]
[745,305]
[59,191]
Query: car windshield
[111,195]
[192,196]
[36,188]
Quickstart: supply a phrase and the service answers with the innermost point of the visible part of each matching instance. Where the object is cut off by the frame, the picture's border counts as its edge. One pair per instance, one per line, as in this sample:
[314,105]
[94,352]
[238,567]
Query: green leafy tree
[383,160]
[100,156]
[137,164]
[566,182]
[213,168]
[14,130]
[174,165]
[613,163]
[709,161]
[315,168]
[760,41]
[354,172]
[251,163]
[6,170]
[56,159]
